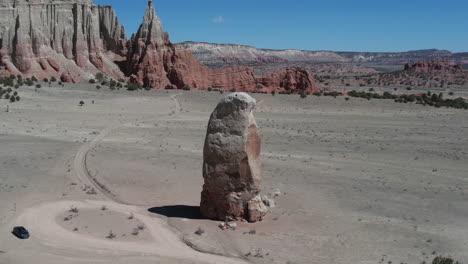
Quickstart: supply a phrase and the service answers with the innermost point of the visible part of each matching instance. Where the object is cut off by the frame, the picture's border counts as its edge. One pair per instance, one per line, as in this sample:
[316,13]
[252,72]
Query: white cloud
[218,19]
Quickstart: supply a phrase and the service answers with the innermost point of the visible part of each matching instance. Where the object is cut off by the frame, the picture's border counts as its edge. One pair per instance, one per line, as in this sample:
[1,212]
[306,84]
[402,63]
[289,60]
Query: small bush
[38,86]
[233,90]
[53,79]
[46,80]
[303,95]
[210,89]
[92,81]
[99,76]
[132,86]
[186,88]
[199,231]
[111,235]
[98,87]
[74,209]
[81,103]
[273,93]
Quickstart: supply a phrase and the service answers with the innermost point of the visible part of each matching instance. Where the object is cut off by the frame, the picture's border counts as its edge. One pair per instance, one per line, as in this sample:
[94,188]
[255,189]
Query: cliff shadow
[122,64]
[178,211]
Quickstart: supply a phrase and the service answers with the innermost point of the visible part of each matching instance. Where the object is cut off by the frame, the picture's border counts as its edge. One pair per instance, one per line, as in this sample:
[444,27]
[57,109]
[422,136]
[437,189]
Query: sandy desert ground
[119,180]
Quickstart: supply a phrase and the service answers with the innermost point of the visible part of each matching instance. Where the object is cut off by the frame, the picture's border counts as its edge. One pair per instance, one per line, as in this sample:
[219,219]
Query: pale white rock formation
[47,38]
[231,168]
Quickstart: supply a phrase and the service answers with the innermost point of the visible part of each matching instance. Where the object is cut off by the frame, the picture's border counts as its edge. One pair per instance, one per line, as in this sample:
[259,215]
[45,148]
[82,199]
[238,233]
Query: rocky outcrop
[241,79]
[67,78]
[231,162]
[45,37]
[433,66]
[294,80]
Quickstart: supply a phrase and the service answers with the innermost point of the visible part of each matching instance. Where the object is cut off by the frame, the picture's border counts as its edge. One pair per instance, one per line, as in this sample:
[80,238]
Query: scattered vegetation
[444,260]
[7,84]
[436,100]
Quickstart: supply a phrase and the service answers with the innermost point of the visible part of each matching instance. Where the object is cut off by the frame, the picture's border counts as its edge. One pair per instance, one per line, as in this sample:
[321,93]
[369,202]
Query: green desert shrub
[444,260]
[132,86]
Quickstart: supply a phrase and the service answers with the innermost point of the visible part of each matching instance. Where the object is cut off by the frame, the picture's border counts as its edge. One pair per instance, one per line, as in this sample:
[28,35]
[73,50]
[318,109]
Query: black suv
[20,232]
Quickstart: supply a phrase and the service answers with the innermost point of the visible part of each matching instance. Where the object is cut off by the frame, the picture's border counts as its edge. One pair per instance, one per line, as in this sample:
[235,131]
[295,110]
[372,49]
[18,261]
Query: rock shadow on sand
[178,211]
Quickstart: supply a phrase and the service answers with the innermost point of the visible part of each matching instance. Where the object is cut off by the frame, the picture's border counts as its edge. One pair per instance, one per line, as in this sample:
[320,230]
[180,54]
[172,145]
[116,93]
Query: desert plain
[118,180]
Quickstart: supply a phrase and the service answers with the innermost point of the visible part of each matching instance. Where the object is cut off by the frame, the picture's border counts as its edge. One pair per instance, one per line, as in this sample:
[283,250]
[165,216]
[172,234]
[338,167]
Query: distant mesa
[434,66]
[78,39]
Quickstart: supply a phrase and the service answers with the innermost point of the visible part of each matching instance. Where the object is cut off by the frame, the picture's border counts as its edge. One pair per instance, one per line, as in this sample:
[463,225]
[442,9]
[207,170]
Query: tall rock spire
[151,29]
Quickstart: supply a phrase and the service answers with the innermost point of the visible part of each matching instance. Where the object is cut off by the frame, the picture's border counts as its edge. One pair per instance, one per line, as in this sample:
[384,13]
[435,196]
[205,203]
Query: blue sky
[339,25]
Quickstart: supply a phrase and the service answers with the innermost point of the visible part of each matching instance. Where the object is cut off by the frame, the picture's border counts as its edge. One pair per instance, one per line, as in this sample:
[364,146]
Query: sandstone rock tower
[231,167]
[153,60]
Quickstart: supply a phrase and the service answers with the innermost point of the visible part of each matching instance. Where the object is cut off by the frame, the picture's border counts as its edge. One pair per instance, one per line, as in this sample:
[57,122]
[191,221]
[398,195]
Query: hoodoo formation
[48,38]
[231,166]
[75,39]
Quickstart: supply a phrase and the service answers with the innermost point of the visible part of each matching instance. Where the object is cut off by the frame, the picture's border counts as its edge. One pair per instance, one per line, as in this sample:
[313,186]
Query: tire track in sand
[42,219]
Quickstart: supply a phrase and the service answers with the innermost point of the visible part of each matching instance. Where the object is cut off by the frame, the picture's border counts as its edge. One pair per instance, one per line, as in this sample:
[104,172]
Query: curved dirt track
[42,220]
[79,163]
[164,243]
